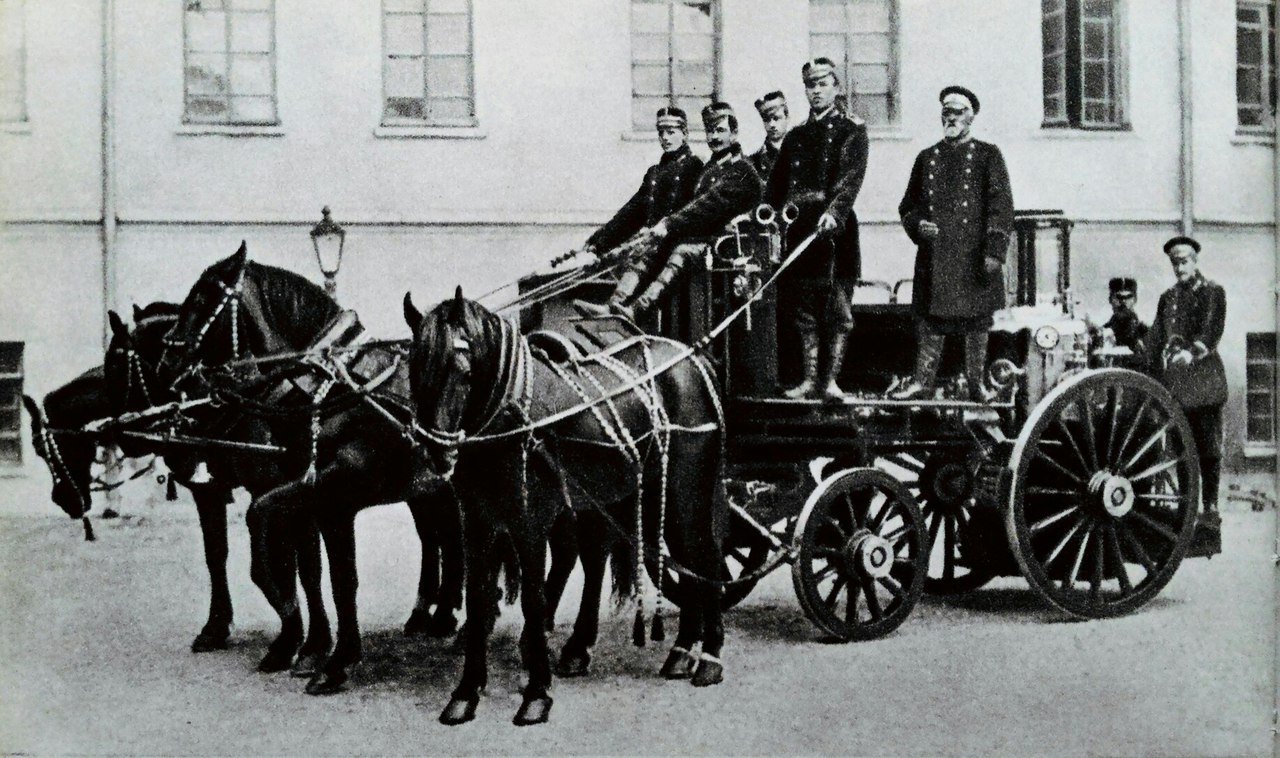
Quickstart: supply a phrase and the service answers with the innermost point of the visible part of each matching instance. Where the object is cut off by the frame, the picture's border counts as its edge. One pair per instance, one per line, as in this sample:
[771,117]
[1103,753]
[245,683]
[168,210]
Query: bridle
[59,471]
[135,368]
[231,297]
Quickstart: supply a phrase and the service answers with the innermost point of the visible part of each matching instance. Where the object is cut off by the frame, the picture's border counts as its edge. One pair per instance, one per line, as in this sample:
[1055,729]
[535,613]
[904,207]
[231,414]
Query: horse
[522,437]
[242,315]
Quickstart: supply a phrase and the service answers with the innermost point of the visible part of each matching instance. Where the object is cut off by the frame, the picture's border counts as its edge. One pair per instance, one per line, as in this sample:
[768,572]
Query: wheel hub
[869,554]
[1113,492]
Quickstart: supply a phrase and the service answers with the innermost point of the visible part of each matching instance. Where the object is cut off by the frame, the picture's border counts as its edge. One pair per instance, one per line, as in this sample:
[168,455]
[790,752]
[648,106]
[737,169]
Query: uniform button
[968,170]
[966,186]
[965,203]
[964,220]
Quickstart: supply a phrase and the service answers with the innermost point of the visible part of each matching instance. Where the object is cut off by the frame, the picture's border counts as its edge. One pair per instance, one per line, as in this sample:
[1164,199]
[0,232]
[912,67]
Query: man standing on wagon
[727,187]
[820,168]
[775,116]
[667,185]
[1182,349]
[958,209]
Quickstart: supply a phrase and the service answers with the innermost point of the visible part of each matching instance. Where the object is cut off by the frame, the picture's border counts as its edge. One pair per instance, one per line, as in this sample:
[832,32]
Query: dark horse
[520,434]
[238,311]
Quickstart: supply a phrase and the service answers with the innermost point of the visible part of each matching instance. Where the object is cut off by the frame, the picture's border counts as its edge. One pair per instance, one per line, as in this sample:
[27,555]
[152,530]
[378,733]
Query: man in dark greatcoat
[820,168]
[1124,324]
[1182,349]
[775,115]
[958,209]
[727,187]
[667,185]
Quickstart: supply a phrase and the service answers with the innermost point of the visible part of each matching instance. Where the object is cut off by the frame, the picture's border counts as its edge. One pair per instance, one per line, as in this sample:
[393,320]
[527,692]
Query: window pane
[1248,15]
[869,16]
[251,5]
[870,48]
[1097,9]
[403,77]
[449,110]
[1249,46]
[694,79]
[11,107]
[1051,35]
[448,77]
[827,45]
[694,20]
[694,47]
[1098,112]
[1095,81]
[870,80]
[692,106]
[206,109]
[206,74]
[254,110]
[827,17]
[649,18]
[1053,108]
[405,108]
[1049,6]
[1095,41]
[1260,375]
[649,80]
[1053,75]
[1249,116]
[251,32]
[207,31]
[251,75]
[649,48]
[404,35]
[643,110]
[1260,346]
[1248,86]
[448,6]
[447,34]
[404,6]
[874,109]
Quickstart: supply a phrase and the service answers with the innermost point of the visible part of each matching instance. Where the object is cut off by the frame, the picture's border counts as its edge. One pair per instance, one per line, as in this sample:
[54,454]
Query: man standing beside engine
[958,209]
[819,169]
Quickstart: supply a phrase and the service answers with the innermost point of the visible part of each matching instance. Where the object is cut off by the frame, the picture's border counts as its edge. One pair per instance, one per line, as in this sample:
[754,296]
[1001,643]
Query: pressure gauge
[1047,337]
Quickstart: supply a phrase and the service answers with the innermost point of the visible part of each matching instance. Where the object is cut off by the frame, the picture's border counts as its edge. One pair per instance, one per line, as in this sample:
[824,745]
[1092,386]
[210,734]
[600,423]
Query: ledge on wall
[230,130]
[384,131]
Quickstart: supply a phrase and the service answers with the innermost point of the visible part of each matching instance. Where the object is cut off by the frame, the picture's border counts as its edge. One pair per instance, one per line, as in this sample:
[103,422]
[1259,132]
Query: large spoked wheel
[944,489]
[861,554]
[1104,494]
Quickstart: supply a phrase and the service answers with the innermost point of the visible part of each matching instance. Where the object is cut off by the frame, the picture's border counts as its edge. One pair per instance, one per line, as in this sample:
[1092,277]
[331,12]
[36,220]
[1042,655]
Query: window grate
[1260,388]
[675,57]
[1255,65]
[11,378]
[428,73]
[13,61]
[229,62]
[1082,64]
[861,38]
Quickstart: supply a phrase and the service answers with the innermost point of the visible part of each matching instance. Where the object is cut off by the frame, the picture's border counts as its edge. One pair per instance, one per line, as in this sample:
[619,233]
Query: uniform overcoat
[1191,317]
[667,186]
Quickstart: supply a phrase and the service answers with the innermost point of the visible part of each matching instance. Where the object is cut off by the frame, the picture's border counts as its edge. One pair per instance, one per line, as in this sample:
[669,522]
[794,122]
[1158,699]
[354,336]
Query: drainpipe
[107,147]
[1186,168]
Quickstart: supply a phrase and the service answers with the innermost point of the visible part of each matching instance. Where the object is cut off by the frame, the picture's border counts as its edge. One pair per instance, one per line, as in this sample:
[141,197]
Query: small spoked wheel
[861,554]
[1105,492]
[944,489]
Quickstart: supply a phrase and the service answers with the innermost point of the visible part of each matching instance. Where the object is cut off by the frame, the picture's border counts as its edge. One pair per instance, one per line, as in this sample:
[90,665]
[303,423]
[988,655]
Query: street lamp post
[327,238]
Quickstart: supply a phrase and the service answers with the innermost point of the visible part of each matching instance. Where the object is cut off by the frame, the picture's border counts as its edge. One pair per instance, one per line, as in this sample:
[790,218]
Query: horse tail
[509,567]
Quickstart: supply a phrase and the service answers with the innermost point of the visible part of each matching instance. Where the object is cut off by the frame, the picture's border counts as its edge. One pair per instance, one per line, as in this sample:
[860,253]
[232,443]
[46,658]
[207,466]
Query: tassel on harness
[309,477]
[637,629]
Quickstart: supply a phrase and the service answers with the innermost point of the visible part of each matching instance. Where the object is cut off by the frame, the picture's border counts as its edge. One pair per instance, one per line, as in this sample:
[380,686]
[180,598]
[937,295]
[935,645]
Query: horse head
[456,362]
[68,453]
[208,329]
[131,369]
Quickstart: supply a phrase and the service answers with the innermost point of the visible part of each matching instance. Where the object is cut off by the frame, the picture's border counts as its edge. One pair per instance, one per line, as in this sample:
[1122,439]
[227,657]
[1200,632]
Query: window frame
[388,122]
[717,63]
[1268,390]
[1266,66]
[893,97]
[21,89]
[1073,65]
[188,120]
[13,371]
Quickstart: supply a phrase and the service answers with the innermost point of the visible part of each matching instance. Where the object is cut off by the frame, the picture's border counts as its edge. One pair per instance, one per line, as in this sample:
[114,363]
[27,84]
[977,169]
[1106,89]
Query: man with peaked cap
[773,111]
[958,210]
[820,167]
[667,185]
[1128,329]
[1182,350]
[727,187]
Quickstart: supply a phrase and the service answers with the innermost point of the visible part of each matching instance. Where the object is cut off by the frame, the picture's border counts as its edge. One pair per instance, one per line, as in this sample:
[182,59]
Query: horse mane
[293,307]
[79,401]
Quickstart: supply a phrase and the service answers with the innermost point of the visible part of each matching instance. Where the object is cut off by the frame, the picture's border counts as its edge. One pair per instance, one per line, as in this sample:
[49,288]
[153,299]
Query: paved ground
[93,659]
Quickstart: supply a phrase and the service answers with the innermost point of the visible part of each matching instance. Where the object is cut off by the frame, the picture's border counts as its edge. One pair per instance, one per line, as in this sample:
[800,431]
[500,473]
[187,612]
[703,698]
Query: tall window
[1083,64]
[230,62]
[10,403]
[1260,388]
[675,50]
[427,64]
[1256,64]
[860,36]
[13,61]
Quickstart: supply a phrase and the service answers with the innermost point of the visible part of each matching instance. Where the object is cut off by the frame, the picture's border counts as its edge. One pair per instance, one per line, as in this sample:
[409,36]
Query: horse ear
[117,326]
[33,408]
[137,314]
[412,316]
[241,255]
[458,308]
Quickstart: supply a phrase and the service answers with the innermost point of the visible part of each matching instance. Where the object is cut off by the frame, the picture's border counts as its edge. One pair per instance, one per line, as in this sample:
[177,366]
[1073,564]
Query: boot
[809,348]
[975,367]
[653,293]
[928,354]
[835,361]
[626,287]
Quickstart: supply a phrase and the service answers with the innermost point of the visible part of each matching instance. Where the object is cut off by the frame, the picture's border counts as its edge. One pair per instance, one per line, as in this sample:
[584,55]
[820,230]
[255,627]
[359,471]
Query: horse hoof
[205,642]
[679,664]
[418,625]
[534,710]
[709,672]
[442,625]
[459,711]
[326,683]
[275,661]
[306,665]
[571,665]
